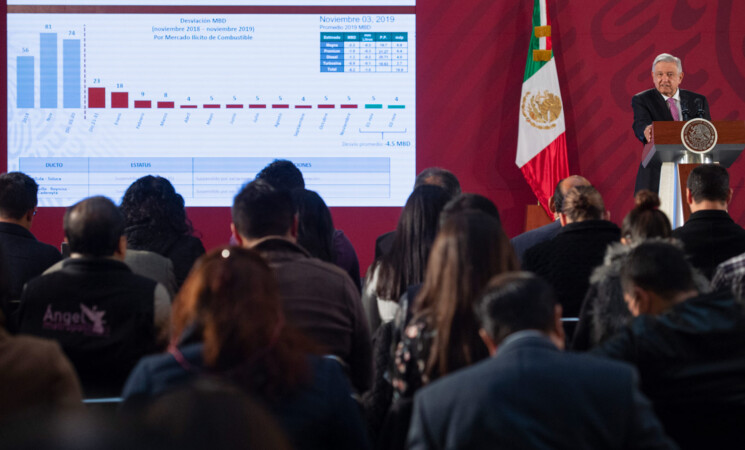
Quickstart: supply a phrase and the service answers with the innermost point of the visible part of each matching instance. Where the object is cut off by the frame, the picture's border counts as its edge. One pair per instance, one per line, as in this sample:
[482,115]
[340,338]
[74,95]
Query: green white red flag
[541,139]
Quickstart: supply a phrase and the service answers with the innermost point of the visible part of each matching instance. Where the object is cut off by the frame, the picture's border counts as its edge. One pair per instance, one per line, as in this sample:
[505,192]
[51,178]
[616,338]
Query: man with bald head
[524,241]
[665,102]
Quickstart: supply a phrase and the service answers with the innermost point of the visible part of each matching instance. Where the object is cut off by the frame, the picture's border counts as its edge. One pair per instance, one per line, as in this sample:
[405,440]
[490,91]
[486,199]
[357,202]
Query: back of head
[211,413]
[645,220]
[563,186]
[658,266]
[515,302]
[439,177]
[315,231]
[93,227]
[709,182]
[151,202]
[469,202]
[282,174]
[232,294]
[583,203]
[417,227]
[260,210]
[469,250]
[18,195]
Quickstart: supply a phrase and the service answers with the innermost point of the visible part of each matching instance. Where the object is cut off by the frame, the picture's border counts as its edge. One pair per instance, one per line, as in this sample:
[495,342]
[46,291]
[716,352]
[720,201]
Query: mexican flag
[541,139]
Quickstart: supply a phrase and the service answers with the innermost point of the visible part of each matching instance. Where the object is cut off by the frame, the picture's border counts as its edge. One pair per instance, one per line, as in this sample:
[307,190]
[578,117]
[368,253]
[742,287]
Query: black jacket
[24,258]
[691,361]
[710,237]
[567,260]
[99,312]
[650,106]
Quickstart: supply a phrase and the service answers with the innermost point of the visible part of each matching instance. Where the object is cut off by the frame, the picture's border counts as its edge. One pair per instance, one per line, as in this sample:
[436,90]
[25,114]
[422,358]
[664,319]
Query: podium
[677,161]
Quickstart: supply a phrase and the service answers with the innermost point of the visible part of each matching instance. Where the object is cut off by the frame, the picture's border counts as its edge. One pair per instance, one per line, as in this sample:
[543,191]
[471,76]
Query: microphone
[699,105]
[684,111]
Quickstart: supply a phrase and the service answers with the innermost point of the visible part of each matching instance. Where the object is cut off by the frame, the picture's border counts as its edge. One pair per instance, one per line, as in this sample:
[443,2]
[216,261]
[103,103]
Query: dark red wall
[470,63]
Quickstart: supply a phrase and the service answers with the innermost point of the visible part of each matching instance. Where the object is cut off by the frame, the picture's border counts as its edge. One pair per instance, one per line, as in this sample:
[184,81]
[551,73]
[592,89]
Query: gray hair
[667,57]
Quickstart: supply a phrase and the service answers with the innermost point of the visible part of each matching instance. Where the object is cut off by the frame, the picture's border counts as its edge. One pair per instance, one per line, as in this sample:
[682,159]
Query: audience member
[567,260]
[34,373]
[231,302]
[104,316]
[318,297]
[710,236]
[689,348]
[24,256]
[530,394]
[155,220]
[148,264]
[528,239]
[435,176]
[212,414]
[604,311]
[404,265]
[283,174]
[316,234]
[469,202]
[443,335]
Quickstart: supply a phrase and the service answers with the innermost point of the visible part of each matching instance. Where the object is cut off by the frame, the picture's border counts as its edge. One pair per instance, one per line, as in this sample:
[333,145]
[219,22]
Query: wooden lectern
[667,147]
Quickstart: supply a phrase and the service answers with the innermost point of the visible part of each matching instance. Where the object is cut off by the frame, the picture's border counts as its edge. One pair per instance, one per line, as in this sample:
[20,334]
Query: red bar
[326,106]
[211,106]
[188,106]
[97,97]
[257,106]
[348,106]
[303,106]
[120,100]
[234,106]
[166,104]
[280,106]
[143,104]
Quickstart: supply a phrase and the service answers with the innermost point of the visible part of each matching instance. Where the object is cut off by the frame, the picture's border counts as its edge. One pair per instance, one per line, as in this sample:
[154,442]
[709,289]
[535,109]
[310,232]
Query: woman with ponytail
[604,311]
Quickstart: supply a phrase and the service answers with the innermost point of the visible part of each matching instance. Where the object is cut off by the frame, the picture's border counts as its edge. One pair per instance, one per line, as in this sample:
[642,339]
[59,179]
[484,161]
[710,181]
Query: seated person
[319,298]
[24,256]
[229,322]
[530,394]
[710,236]
[104,316]
[689,348]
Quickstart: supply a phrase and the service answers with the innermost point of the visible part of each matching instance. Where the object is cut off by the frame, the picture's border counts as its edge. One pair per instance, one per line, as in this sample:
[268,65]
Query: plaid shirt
[731,275]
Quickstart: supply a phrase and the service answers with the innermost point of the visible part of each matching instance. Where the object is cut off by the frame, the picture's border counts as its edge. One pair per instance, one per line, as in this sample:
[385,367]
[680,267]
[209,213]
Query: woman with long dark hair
[443,335]
[155,220]
[228,321]
[316,234]
[405,263]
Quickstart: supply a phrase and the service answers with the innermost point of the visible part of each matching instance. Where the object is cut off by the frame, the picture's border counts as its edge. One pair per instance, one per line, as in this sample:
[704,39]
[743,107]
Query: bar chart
[169,86]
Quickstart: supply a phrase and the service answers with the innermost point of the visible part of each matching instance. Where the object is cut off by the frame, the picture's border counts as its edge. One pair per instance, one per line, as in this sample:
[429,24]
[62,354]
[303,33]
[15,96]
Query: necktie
[673,108]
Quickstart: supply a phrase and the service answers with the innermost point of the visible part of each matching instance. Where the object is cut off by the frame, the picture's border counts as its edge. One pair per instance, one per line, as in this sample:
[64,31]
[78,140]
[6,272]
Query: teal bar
[396,106]
[373,106]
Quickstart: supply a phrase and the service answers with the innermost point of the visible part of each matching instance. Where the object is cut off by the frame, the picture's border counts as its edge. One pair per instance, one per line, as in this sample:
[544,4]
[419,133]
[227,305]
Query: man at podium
[664,102]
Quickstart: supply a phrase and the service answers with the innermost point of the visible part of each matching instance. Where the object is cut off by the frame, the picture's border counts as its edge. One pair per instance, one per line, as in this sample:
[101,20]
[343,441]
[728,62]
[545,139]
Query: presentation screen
[206,97]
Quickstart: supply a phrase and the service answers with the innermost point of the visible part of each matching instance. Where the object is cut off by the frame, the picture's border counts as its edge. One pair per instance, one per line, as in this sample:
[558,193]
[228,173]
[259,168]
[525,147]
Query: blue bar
[25,81]
[71,73]
[144,165]
[48,70]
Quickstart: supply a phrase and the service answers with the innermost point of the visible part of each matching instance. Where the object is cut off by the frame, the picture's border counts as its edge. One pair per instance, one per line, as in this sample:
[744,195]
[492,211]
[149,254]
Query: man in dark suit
[664,102]
[530,394]
[710,236]
[524,241]
[23,255]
